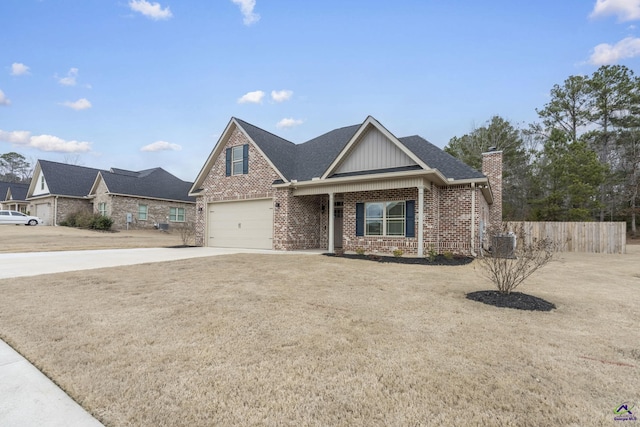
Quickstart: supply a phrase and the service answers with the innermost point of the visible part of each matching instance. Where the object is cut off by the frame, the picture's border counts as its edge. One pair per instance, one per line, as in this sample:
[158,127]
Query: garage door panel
[242,224]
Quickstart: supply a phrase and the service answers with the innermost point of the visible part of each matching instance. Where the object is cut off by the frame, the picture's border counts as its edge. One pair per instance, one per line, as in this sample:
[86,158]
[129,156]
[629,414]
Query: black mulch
[438,260]
[515,300]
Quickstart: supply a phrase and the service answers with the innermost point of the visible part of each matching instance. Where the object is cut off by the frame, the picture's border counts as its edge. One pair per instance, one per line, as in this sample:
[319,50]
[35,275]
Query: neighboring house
[13,196]
[354,187]
[142,199]
[58,189]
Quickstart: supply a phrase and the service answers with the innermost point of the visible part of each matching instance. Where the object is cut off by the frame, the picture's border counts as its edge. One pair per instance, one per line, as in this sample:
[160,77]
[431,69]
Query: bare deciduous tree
[511,257]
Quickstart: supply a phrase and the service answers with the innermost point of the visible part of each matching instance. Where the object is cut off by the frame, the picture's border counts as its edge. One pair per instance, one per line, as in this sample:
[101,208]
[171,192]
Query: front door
[337,224]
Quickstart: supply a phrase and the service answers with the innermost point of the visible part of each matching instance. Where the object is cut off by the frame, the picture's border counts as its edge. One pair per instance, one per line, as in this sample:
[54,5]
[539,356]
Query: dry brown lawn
[311,340]
[44,239]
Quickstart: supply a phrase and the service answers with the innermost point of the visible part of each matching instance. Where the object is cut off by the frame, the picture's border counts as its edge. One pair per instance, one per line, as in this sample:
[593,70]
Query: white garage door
[43,211]
[245,224]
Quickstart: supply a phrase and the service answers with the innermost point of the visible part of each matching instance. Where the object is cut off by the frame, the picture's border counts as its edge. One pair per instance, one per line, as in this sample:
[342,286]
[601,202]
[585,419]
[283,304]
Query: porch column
[420,221]
[331,225]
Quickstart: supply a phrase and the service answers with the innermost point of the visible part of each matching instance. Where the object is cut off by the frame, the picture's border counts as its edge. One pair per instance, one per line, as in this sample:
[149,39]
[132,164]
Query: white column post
[331,248]
[421,221]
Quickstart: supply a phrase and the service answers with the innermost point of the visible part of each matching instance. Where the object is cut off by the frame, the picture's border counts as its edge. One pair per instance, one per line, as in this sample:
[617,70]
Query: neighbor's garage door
[43,211]
[245,224]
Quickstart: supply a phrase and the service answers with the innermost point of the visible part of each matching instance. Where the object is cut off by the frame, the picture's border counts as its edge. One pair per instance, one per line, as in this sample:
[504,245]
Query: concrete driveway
[36,263]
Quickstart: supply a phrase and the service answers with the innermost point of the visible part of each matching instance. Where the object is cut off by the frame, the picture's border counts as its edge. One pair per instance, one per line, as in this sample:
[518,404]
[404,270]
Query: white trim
[420,220]
[331,247]
[370,121]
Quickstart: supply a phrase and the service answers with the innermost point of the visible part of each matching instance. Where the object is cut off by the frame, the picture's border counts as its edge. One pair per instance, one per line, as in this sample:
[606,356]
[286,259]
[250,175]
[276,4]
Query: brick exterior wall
[492,168]
[297,221]
[65,206]
[257,184]
[157,210]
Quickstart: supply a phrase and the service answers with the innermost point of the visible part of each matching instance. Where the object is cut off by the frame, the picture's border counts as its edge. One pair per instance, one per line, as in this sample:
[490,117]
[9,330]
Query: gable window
[42,182]
[102,209]
[142,212]
[393,219]
[176,214]
[237,160]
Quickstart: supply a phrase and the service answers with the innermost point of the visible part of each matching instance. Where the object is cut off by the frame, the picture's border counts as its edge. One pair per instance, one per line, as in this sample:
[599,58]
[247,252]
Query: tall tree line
[580,162]
[14,167]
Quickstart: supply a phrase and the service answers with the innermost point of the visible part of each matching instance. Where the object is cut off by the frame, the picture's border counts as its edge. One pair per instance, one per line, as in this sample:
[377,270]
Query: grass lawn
[319,341]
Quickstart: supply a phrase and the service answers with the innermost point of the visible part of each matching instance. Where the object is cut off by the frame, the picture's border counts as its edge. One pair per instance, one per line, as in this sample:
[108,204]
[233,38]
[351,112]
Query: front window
[142,212]
[236,160]
[102,209]
[385,219]
[176,214]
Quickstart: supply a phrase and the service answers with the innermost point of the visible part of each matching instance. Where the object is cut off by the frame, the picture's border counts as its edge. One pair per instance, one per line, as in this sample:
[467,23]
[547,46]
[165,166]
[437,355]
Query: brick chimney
[492,168]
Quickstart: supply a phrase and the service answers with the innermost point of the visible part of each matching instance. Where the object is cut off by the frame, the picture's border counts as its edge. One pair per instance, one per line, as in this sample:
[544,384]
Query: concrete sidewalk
[27,397]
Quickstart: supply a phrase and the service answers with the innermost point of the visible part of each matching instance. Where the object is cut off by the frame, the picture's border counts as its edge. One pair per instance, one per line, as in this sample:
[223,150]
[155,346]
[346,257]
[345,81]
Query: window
[102,209]
[42,182]
[237,160]
[176,214]
[385,219]
[142,212]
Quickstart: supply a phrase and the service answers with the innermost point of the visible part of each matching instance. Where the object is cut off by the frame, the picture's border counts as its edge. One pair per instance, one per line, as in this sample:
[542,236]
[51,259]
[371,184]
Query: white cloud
[150,10]
[288,123]
[44,142]
[80,104]
[606,54]
[18,69]
[254,97]
[161,146]
[70,80]
[246,7]
[281,95]
[3,99]
[19,137]
[625,10]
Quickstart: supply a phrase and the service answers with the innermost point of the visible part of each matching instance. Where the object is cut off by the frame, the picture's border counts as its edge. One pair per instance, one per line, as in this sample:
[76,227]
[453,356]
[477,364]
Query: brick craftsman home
[145,197]
[354,187]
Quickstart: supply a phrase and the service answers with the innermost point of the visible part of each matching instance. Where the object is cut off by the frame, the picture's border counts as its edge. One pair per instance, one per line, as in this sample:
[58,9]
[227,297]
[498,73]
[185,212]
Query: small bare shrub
[398,253]
[187,232]
[448,255]
[507,266]
[360,251]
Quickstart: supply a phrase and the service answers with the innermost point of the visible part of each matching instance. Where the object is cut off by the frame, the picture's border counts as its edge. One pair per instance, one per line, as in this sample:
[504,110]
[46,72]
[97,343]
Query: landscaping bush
[88,220]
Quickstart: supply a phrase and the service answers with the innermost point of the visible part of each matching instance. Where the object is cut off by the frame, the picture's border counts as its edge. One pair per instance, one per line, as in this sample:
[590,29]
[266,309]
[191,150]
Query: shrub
[88,220]
[360,251]
[506,266]
[432,254]
[448,255]
[187,232]
[398,253]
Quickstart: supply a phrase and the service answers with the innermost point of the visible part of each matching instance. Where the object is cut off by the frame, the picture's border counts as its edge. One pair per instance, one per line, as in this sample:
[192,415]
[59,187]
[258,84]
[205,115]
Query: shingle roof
[152,183]
[436,158]
[68,180]
[18,191]
[311,159]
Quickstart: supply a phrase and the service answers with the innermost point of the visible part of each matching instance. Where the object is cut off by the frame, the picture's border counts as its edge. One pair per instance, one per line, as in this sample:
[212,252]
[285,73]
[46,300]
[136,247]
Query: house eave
[148,198]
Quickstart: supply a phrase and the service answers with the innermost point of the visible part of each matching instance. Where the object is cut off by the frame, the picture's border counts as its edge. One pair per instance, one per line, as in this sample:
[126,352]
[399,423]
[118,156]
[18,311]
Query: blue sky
[136,84]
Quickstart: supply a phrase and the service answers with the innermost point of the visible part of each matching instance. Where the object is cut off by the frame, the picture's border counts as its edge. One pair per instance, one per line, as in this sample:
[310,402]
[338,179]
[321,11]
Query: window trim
[237,159]
[176,216]
[145,213]
[385,219]
[102,208]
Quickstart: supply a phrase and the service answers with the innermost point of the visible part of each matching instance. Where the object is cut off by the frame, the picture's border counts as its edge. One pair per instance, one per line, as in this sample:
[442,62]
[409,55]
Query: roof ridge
[265,131]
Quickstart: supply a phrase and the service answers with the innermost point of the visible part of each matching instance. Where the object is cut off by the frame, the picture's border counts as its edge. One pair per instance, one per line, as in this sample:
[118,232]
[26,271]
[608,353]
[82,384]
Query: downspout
[473,219]
[55,211]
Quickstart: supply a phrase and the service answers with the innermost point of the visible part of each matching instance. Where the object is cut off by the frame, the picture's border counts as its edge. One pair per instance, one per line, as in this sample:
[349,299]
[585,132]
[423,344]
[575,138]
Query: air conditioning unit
[504,245]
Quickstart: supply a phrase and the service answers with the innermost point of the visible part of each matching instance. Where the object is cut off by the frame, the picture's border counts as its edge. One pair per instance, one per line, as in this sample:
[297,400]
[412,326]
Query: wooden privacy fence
[592,237]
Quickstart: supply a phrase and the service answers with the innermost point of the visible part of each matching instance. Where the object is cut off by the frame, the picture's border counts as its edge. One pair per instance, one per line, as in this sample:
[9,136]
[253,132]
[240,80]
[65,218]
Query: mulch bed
[438,260]
[515,300]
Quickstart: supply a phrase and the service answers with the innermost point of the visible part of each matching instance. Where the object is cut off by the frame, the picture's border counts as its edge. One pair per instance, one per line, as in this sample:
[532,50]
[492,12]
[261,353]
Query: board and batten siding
[374,151]
[590,237]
